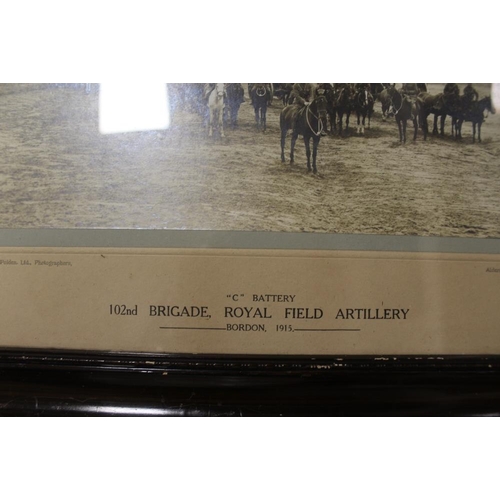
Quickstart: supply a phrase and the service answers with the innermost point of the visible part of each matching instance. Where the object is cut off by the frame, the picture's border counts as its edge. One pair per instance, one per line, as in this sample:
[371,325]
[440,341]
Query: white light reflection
[496,96]
[130,107]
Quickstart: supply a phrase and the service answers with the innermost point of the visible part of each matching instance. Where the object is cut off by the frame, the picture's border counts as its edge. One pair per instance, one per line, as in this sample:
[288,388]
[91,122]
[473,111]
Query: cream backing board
[249,301]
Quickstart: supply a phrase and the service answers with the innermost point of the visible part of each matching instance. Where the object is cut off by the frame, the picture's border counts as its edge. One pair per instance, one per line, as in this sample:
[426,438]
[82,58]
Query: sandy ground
[58,171]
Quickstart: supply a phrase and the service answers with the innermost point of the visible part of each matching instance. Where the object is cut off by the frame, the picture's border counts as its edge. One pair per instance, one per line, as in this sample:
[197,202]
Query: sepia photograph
[337,158]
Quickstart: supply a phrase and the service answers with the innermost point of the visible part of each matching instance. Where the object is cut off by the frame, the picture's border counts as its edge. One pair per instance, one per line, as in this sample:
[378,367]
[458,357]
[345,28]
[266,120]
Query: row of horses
[330,108]
[419,107]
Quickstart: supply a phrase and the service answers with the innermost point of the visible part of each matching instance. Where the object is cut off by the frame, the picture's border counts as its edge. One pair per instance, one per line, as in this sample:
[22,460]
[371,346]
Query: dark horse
[308,121]
[363,104]
[283,91]
[385,101]
[261,97]
[474,113]
[430,104]
[404,109]
[343,105]
[234,98]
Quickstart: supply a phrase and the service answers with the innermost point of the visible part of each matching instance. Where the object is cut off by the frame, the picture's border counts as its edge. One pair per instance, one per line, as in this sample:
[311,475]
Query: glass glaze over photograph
[374,159]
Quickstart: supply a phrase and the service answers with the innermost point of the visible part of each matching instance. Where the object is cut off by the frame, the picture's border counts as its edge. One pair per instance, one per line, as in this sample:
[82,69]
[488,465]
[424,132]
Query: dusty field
[57,171]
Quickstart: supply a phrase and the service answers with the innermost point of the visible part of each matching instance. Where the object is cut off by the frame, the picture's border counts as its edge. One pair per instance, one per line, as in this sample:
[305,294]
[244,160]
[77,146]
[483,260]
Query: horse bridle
[320,121]
[219,93]
[394,107]
[261,91]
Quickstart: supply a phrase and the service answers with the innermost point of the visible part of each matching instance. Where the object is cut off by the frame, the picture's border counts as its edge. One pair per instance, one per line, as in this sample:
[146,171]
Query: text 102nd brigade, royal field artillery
[279,308]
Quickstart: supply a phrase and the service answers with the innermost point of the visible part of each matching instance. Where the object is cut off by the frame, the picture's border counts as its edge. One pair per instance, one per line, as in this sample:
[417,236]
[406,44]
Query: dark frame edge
[217,364]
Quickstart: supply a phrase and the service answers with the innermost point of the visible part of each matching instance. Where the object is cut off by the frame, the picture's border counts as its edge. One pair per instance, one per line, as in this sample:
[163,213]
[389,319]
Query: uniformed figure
[337,87]
[451,96]
[470,94]
[359,87]
[451,89]
[303,93]
[410,89]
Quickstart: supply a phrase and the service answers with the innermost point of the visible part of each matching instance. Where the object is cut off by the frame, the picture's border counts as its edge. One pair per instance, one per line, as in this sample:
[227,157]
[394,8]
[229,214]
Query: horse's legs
[333,120]
[479,132]
[473,131]
[443,119]
[283,137]
[435,128]
[415,126]
[358,116]
[210,122]
[425,125]
[347,122]
[363,123]
[308,152]
[221,121]
[264,113]
[234,117]
[315,153]
[400,130]
[294,140]
[257,117]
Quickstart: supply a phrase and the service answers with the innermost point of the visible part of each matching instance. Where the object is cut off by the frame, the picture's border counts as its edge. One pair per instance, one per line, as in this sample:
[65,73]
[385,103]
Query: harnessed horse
[385,101]
[363,104]
[282,91]
[437,105]
[216,109]
[343,106]
[404,110]
[475,114]
[261,96]
[308,121]
[234,98]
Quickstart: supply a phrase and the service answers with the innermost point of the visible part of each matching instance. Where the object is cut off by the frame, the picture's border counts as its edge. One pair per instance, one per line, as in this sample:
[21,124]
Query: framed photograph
[250,229]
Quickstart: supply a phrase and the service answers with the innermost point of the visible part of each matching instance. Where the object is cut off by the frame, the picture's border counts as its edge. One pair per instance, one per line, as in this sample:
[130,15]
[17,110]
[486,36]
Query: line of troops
[303,93]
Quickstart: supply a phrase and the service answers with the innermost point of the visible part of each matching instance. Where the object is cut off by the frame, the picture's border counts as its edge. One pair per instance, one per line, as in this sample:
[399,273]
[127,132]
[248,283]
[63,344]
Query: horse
[216,109]
[343,105]
[385,101]
[404,109]
[474,113]
[308,121]
[331,100]
[282,91]
[448,104]
[430,104]
[234,98]
[377,88]
[363,104]
[261,96]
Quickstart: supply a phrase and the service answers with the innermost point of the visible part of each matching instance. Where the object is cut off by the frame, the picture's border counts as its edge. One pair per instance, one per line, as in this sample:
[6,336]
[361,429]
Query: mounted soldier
[451,98]
[303,93]
[360,87]
[470,97]
[410,90]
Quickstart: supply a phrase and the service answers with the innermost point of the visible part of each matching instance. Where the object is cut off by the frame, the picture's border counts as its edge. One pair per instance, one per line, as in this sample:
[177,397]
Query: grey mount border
[159,238]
